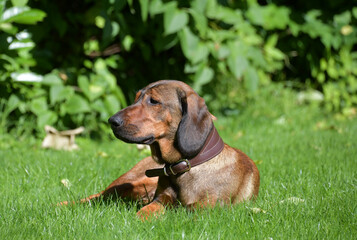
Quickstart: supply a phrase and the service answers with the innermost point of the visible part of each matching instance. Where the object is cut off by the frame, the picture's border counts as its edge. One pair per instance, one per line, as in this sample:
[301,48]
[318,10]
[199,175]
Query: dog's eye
[153,101]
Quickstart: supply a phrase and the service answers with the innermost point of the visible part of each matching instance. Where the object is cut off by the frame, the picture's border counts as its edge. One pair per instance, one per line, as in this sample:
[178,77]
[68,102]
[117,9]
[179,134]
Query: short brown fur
[156,118]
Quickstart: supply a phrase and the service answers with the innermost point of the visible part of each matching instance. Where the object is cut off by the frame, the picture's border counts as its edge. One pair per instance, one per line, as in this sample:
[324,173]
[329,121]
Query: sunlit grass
[307,163]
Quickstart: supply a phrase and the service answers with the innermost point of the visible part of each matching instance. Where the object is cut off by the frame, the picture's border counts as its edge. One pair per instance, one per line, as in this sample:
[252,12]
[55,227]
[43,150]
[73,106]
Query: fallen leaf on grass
[66,183]
[258,210]
[280,121]
[258,162]
[238,135]
[323,125]
[102,154]
[294,200]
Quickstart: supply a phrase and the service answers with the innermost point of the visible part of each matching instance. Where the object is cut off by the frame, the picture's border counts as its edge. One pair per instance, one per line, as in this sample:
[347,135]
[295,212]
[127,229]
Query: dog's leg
[165,196]
[206,203]
[133,185]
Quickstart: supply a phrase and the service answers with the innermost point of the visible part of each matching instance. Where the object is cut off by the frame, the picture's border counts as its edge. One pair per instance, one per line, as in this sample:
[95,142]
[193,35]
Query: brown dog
[194,166]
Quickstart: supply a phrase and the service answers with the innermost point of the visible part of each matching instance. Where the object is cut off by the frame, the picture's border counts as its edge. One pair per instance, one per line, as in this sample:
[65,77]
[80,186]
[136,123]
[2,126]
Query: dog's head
[167,112]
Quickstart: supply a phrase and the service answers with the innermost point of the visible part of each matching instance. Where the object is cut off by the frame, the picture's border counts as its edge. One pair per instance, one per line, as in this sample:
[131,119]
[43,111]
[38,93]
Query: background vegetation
[71,63]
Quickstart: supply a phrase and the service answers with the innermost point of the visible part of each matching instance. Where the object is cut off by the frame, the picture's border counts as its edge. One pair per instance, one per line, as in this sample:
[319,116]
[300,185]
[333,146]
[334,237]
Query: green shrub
[64,98]
[69,63]
[327,46]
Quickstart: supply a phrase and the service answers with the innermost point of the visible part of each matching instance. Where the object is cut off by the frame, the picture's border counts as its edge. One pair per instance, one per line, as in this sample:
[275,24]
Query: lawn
[307,162]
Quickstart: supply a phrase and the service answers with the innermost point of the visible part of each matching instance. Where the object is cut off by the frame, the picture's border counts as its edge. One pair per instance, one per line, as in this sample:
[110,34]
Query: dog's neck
[163,151]
[211,148]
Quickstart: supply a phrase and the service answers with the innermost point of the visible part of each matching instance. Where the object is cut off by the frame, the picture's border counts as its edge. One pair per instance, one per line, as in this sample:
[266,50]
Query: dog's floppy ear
[195,124]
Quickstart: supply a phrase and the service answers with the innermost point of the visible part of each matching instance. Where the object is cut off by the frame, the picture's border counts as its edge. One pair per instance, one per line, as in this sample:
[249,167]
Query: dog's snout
[116,121]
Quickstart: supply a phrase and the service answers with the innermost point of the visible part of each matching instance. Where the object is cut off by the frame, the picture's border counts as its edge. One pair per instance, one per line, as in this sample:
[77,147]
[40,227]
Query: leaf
[120,95]
[189,42]
[237,65]
[23,15]
[272,40]
[12,103]
[77,104]
[223,52]
[97,85]
[8,28]
[258,210]
[112,104]
[200,22]
[354,12]
[46,118]
[95,91]
[19,3]
[199,6]
[157,7]
[203,77]
[99,21]
[83,84]
[274,53]
[2,6]
[52,79]
[102,154]
[193,49]
[12,12]
[281,121]
[343,18]
[128,42]
[256,57]
[251,79]
[100,107]
[174,20]
[269,16]
[144,6]
[294,200]
[100,66]
[59,93]
[115,29]
[225,14]
[66,183]
[200,53]
[38,105]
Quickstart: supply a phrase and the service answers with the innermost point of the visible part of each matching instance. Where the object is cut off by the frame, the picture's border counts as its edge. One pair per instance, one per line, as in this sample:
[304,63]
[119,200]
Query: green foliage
[72,64]
[89,98]
[331,58]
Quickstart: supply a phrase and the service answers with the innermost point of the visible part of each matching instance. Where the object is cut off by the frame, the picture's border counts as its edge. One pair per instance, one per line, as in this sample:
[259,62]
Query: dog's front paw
[154,209]
[64,203]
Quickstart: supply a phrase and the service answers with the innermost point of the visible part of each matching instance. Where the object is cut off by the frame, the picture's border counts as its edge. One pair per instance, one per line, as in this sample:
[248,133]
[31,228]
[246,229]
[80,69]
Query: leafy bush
[69,65]
[334,68]
[87,98]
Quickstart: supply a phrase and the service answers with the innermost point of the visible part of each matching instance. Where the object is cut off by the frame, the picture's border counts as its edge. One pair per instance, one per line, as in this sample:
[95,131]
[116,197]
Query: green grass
[299,151]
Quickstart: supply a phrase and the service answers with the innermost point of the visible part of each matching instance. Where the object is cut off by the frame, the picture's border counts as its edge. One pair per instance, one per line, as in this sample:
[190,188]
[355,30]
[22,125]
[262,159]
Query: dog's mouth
[138,140]
[149,140]
[129,134]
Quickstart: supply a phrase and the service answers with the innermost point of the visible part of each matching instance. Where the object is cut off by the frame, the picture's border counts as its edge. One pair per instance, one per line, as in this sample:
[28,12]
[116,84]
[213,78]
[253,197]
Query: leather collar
[212,147]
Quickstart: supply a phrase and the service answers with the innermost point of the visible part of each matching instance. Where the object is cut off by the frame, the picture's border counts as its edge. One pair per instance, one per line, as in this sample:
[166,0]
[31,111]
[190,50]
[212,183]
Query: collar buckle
[181,170]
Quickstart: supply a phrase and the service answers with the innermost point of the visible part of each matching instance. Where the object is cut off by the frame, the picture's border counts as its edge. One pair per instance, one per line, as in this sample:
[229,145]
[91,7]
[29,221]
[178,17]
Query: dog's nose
[116,121]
